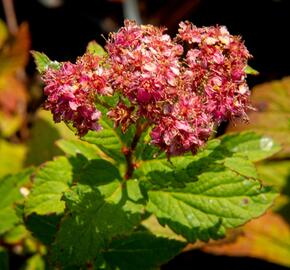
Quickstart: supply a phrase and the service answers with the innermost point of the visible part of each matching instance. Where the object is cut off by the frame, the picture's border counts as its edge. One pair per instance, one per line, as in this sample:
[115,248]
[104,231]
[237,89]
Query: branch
[10,15]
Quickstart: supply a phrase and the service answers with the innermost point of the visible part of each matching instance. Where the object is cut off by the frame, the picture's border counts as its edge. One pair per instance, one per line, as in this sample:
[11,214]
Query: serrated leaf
[174,187]
[50,182]
[235,152]
[153,226]
[206,208]
[96,49]
[142,251]
[95,215]
[44,207]
[267,238]
[271,118]
[43,62]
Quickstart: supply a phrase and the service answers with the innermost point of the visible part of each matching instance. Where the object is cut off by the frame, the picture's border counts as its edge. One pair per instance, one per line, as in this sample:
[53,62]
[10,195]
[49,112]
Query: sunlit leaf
[50,181]
[251,71]
[272,101]
[12,157]
[201,196]
[43,62]
[96,49]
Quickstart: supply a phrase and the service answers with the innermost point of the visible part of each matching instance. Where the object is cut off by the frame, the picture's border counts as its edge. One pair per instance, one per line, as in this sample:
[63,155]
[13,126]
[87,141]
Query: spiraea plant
[145,177]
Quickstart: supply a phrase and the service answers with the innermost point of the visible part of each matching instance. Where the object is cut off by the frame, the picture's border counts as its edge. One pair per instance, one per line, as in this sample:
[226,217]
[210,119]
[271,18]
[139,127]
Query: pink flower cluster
[71,92]
[181,93]
[182,98]
[216,69]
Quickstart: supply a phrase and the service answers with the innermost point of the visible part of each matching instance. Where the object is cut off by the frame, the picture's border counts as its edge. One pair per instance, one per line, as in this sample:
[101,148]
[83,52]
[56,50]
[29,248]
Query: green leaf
[275,173]
[14,157]
[241,166]
[234,151]
[4,259]
[108,140]
[145,150]
[11,193]
[43,135]
[8,219]
[36,262]
[142,251]
[76,147]
[15,235]
[43,227]
[251,71]
[252,145]
[50,181]
[201,196]
[96,214]
[96,49]
[43,62]
[10,187]
[217,201]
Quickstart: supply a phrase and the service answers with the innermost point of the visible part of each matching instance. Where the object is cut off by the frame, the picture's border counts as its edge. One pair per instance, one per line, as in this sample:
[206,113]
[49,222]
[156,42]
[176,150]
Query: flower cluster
[181,93]
[216,69]
[71,92]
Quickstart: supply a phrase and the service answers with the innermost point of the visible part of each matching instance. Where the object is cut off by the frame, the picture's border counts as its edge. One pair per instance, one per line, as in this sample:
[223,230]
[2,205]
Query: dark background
[63,33]
[264,24]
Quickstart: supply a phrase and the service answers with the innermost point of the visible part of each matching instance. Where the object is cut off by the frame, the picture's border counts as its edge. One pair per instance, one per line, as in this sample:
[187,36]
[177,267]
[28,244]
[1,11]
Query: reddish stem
[130,151]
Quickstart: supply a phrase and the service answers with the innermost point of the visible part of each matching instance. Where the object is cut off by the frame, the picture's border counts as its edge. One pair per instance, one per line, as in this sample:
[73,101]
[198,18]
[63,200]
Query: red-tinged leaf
[15,52]
[267,238]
